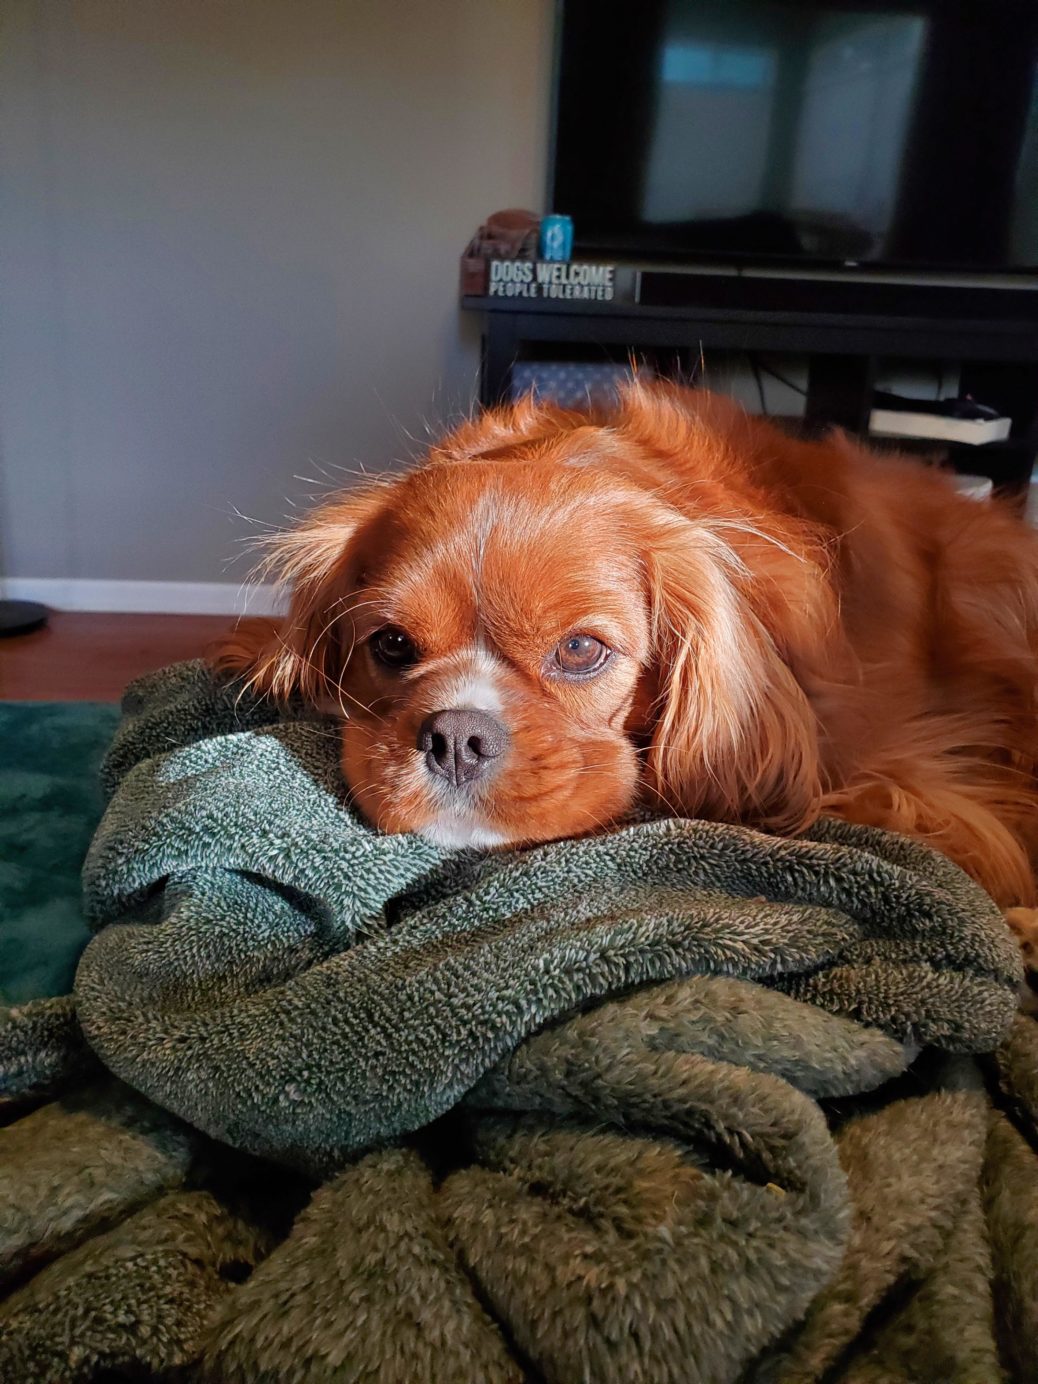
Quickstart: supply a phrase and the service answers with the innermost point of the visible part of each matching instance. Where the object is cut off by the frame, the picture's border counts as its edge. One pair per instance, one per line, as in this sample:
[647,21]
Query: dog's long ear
[302,656]
[740,620]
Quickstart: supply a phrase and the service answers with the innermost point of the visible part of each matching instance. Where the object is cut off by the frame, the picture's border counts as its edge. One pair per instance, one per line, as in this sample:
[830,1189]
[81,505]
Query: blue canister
[556,237]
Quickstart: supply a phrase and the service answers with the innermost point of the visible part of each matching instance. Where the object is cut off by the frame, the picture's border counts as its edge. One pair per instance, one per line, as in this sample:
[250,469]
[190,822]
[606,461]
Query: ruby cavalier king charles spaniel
[559,613]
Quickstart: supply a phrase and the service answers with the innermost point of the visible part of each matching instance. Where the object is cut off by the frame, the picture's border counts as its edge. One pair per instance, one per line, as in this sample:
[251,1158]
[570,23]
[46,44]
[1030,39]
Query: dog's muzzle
[461,745]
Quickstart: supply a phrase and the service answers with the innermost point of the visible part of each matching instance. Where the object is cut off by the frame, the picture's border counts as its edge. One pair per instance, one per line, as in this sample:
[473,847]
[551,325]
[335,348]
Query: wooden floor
[91,657]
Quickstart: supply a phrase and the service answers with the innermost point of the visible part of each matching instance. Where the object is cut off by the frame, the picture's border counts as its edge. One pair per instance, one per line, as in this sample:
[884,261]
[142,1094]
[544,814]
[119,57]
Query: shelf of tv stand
[803,333]
[842,328]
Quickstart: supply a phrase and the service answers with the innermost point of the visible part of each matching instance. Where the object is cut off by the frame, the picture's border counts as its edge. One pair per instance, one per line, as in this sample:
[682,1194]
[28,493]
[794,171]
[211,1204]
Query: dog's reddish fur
[801,627]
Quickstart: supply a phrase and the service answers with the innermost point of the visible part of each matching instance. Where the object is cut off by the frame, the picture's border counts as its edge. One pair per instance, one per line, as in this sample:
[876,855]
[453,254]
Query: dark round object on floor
[19,617]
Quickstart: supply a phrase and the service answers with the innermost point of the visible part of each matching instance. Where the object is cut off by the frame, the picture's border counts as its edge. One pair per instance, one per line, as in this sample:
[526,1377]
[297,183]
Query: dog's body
[679,601]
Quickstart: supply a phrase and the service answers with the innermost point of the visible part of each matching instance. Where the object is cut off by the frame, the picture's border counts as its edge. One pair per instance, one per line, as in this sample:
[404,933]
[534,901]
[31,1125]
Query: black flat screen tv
[800,131]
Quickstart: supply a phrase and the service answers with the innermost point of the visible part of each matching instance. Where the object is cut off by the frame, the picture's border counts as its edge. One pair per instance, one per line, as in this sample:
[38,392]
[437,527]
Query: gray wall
[231,232]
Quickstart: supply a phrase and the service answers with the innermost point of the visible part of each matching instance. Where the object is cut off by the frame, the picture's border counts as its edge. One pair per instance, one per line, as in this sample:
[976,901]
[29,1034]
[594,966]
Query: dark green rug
[50,803]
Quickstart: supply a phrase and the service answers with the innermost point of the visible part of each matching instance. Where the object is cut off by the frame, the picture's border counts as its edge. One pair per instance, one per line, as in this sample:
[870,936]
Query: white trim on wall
[152,597]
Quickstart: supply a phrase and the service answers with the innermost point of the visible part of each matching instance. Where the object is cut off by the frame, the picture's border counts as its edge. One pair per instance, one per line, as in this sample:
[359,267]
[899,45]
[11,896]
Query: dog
[558,614]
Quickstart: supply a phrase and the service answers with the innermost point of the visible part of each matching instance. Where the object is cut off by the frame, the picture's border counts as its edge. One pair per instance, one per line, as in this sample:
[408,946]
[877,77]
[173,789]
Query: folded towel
[682,1102]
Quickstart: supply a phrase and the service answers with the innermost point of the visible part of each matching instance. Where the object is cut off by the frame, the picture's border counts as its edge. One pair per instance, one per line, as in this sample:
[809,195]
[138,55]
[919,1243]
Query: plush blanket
[50,804]
[679,1103]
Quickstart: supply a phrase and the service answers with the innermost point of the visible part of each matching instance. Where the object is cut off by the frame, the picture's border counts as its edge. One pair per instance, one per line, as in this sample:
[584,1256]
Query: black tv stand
[842,326]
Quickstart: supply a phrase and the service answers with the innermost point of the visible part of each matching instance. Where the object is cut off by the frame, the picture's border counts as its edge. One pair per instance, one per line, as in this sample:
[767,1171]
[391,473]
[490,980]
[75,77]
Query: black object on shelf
[968,409]
[21,617]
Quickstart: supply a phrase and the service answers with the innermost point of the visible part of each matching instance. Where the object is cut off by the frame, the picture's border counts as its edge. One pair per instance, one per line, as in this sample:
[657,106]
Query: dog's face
[487,643]
[522,634]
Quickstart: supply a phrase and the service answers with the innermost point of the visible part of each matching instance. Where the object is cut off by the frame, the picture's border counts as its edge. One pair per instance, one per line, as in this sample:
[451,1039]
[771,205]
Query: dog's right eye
[393,648]
[580,655]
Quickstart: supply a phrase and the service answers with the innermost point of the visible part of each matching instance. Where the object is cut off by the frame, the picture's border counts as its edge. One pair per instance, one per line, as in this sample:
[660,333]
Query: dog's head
[523,633]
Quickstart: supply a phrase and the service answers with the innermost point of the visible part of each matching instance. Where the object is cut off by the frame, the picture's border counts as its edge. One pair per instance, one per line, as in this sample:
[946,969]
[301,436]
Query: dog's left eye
[393,648]
[581,653]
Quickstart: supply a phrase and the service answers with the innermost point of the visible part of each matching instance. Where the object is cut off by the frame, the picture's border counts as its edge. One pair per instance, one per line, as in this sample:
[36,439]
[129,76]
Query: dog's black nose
[461,745]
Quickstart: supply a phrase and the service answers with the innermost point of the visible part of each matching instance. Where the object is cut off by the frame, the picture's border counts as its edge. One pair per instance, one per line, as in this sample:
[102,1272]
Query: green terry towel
[295,984]
[683,1102]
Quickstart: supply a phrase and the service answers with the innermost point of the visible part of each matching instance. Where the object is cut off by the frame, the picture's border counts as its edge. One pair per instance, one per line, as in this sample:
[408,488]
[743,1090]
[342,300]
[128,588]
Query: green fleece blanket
[679,1103]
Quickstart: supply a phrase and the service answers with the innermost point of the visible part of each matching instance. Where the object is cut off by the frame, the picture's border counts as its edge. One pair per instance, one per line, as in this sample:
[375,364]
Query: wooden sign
[551,279]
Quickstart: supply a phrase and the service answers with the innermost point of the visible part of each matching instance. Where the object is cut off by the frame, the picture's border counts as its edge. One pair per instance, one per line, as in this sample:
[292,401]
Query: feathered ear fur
[509,432]
[741,621]
[303,655]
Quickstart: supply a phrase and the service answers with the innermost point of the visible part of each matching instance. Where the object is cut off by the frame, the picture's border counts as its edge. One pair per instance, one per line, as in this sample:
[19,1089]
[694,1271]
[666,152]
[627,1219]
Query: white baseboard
[151,597]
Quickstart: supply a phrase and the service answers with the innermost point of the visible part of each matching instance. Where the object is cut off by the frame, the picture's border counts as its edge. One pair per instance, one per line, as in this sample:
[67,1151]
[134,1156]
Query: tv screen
[902,135]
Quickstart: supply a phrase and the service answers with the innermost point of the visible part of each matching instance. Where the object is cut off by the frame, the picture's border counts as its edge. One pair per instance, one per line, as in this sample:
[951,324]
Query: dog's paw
[1023,923]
